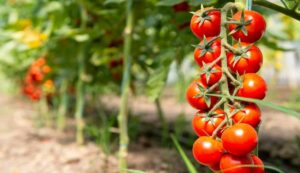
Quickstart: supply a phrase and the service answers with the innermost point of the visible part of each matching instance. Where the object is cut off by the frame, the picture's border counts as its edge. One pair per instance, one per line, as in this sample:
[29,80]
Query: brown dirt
[27,149]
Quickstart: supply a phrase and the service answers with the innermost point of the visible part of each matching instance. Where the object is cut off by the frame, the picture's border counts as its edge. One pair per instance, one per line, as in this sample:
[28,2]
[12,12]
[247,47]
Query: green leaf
[263,103]
[169,2]
[191,168]
[204,2]
[113,1]
[135,171]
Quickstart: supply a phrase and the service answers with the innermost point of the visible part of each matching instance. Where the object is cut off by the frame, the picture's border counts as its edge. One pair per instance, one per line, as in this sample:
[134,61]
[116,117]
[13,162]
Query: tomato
[181,7]
[211,52]
[239,139]
[215,74]
[257,162]
[198,102]
[207,150]
[204,126]
[250,63]
[206,24]
[255,29]
[253,86]
[229,161]
[250,114]
[215,167]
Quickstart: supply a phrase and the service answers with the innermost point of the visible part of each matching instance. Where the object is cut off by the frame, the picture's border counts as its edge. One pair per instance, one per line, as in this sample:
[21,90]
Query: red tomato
[257,162]
[253,86]
[214,77]
[215,167]
[207,150]
[204,126]
[255,29]
[198,102]
[228,162]
[181,7]
[250,114]
[210,25]
[239,139]
[249,64]
[212,52]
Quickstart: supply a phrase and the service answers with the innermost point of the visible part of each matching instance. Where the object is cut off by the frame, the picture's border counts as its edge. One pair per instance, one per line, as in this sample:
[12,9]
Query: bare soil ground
[24,148]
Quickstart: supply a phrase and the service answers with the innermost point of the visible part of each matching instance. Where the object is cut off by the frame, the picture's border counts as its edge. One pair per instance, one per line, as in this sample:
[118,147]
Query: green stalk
[270,5]
[123,113]
[44,110]
[63,105]
[164,124]
[80,99]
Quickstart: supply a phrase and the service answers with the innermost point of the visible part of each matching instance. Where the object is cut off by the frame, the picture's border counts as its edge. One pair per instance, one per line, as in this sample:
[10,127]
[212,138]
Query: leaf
[263,103]
[191,168]
[204,2]
[113,1]
[135,171]
[169,2]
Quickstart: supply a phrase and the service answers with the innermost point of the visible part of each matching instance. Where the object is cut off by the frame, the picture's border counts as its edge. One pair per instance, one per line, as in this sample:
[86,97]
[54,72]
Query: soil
[25,148]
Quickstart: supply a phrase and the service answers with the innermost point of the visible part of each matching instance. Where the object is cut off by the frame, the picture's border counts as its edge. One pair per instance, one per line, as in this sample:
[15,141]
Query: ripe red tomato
[250,114]
[204,126]
[181,7]
[229,161]
[214,77]
[249,64]
[198,102]
[253,86]
[257,162]
[215,167]
[207,150]
[239,139]
[255,29]
[211,53]
[210,25]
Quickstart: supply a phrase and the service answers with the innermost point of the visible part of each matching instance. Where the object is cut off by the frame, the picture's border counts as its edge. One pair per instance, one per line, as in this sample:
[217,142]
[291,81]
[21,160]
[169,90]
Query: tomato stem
[123,112]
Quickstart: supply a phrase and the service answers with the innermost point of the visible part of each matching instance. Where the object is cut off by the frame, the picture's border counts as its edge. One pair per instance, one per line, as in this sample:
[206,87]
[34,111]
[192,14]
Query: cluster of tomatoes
[226,126]
[35,82]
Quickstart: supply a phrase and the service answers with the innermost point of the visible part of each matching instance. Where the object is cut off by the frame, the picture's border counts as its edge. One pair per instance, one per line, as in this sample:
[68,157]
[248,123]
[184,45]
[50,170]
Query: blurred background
[61,67]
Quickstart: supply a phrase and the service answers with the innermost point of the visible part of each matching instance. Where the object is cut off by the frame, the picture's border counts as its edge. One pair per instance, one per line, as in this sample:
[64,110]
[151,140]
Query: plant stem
[270,5]
[123,113]
[164,124]
[62,109]
[80,99]
[47,119]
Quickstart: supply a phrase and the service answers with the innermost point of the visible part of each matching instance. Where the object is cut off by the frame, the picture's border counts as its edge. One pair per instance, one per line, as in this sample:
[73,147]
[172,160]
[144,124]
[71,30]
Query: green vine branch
[289,12]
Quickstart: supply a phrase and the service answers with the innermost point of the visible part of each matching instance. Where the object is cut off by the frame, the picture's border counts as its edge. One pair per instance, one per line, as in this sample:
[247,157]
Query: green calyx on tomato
[247,59]
[241,25]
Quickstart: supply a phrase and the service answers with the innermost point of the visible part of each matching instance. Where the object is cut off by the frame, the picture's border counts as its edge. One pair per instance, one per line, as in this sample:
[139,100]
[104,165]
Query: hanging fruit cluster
[35,81]
[225,122]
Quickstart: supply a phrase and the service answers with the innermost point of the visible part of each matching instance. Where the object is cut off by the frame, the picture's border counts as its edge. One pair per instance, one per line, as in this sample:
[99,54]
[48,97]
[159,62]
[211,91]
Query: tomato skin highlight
[207,151]
[250,114]
[202,127]
[250,64]
[208,57]
[239,139]
[198,103]
[253,86]
[209,28]
[229,161]
[214,77]
[255,29]
[257,162]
